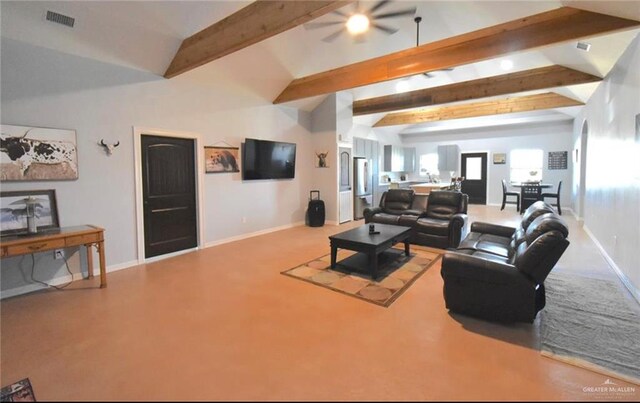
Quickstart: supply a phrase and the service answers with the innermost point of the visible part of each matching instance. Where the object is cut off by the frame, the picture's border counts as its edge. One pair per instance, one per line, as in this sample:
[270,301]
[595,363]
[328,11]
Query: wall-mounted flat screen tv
[264,159]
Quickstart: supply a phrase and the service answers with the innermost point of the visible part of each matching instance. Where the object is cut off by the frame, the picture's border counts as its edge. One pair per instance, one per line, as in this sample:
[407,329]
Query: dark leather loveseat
[439,219]
[497,272]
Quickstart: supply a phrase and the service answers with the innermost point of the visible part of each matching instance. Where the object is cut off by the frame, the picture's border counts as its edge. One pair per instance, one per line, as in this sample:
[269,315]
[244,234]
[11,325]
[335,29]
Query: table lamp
[30,204]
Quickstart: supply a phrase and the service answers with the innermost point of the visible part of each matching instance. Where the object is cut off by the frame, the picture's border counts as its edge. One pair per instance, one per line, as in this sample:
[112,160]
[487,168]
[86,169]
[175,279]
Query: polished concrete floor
[224,324]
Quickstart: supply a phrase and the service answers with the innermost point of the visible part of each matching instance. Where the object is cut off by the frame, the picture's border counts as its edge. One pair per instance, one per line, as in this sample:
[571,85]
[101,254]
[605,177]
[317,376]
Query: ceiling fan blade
[409,11]
[359,38]
[378,6]
[333,36]
[316,25]
[340,13]
[429,74]
[384,28]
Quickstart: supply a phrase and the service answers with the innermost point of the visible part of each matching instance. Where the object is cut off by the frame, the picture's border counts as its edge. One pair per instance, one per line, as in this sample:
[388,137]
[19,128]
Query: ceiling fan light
[403,86]
[506,64]
[357,24]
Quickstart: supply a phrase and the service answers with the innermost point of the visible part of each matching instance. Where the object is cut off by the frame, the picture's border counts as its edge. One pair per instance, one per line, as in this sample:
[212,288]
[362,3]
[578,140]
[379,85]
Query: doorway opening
[474,171]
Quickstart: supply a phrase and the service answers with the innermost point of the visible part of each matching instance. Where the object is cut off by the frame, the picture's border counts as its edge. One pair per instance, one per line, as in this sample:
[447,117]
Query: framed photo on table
[13,211]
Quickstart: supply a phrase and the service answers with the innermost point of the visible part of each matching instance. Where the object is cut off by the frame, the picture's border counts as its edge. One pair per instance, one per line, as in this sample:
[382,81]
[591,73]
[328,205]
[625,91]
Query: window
[526,165]
[429,164]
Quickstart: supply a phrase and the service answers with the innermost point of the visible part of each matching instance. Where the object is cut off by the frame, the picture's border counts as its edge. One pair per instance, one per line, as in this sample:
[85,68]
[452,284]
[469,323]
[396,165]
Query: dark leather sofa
[497,273]
[439,219]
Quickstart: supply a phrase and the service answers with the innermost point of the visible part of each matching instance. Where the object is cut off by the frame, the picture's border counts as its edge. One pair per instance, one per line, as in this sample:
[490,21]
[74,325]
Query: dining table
[527,196]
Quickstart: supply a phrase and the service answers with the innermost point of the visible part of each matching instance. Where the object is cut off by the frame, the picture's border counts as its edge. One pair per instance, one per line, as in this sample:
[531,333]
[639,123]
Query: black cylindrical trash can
[316,210]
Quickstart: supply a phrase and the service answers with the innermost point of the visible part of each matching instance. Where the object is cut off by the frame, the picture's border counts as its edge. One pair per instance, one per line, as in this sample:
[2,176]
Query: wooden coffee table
[359,240]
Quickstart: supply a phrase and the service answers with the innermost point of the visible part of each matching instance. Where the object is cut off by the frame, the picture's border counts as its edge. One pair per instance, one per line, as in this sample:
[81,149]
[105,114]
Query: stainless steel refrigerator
[363,186]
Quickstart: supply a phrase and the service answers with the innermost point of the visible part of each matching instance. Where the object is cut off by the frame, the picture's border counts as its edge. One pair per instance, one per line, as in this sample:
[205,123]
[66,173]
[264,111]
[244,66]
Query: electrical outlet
[58,254]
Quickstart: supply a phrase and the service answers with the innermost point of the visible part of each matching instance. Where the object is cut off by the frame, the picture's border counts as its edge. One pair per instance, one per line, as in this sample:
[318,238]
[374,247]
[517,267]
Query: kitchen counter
[427,187]
[398,182]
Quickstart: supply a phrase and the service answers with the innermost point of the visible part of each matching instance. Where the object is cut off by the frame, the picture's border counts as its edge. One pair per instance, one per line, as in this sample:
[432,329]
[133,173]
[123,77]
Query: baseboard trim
[578,219]
[167,255]
[31,287]
[116,267]
[58,281]
[126,265]
[625,280]
[253,234]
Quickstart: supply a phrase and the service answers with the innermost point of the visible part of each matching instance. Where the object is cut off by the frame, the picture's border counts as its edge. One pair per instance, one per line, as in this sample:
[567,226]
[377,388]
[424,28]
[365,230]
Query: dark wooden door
[474,171]
[169,192]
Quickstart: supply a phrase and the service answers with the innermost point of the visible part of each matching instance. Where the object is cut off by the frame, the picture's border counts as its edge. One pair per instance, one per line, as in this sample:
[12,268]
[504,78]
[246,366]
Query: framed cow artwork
[221,159]
[37,154]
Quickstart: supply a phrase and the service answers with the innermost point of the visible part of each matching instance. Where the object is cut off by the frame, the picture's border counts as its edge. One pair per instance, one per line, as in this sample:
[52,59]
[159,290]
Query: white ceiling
[145,35]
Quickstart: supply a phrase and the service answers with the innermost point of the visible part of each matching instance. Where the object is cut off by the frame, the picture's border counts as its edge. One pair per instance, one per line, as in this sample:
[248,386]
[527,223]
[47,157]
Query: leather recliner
[498,272]
[397,207]
[444,223]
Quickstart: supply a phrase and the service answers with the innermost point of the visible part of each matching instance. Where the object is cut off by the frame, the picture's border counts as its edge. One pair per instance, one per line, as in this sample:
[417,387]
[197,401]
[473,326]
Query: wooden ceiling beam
[258,21]
[548,28]
[521,81]
[527,103]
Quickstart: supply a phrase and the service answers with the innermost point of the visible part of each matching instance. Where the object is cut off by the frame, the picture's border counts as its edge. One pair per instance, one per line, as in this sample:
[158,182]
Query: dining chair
[505,194]
[554,196]
[529,194]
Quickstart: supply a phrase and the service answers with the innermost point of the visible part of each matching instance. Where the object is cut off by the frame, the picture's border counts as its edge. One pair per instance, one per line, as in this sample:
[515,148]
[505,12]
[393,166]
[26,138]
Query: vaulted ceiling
[147,35]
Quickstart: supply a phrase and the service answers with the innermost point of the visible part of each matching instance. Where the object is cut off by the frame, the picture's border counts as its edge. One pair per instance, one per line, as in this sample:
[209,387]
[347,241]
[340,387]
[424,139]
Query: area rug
[20,391]
[396,273]
[592,324]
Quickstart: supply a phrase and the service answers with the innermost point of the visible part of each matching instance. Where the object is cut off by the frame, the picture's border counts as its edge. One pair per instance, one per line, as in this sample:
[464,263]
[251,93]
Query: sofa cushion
[489,243]
[433,226]
[443,205]
[420,203]
[397,201]
[517,238]
[384,218]
[546,223]
[407,220]
[534,211]
[537,259]
[483,255]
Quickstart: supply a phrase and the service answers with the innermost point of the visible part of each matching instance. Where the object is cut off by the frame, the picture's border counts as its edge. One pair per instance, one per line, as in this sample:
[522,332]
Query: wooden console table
[65,237]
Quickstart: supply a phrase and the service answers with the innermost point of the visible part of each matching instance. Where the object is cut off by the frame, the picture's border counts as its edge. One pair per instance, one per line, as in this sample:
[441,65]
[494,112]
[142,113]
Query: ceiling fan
[428,74]
[359,20]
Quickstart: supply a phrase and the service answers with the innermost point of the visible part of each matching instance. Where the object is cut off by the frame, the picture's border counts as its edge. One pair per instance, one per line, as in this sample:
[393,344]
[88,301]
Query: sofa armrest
[457,229]
[370,212]
[493,229]
[481,270]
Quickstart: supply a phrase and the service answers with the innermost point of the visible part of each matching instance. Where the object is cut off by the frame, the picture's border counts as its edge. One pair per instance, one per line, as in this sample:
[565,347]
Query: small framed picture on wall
[499,158]
[221,159]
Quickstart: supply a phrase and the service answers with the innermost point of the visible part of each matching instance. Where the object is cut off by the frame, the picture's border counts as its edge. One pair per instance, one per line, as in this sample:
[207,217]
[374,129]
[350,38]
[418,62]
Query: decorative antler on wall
[108,148]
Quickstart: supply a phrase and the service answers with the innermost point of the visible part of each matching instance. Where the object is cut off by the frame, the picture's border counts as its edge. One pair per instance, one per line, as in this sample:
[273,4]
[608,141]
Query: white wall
[612,200]
[324,138]
[43,87]
[555,136]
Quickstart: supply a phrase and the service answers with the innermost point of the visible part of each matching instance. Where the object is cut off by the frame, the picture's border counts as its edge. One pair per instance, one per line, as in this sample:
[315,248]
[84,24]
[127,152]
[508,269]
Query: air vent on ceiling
[584,46]
[60,18]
